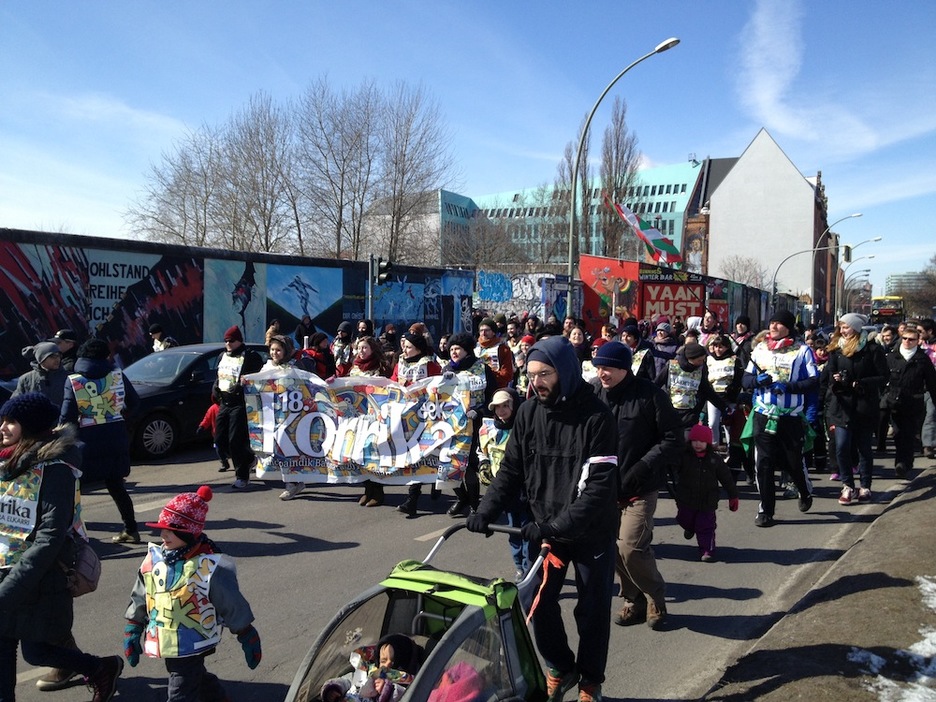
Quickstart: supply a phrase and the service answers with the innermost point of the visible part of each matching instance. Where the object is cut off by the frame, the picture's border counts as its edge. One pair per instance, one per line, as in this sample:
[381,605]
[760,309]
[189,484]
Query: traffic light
[382,271]
[846,253]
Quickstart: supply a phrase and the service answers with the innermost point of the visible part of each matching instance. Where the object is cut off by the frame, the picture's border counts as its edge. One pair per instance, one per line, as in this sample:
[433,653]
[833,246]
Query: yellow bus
[888,309]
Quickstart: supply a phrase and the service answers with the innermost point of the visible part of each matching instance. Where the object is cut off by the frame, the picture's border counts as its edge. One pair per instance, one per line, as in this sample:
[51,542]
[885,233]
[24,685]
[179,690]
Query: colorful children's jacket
[184,604]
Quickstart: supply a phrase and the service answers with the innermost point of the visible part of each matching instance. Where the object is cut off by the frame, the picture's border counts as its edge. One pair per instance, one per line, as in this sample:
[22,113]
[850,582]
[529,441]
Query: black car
[175,392]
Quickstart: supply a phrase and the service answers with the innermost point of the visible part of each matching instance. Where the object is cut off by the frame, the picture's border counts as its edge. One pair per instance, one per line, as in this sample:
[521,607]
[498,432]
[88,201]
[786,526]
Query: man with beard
[563,451]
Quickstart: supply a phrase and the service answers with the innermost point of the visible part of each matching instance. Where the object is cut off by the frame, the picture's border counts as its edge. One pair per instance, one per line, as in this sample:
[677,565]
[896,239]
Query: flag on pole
[659,247]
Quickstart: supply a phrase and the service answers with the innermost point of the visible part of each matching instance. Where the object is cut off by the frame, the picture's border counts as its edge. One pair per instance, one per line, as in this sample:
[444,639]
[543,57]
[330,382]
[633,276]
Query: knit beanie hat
[599,342]
[700,432]
[614,354]
[664,327]
[234,334]
[34,412]
[528,339]
[316,339]
[489,323]
[419,341]
[693,350]
[66,335]
[155,329]
[743,319]
[786,318]
[464,340]
[855,321]
[94,349]
[185,512]
[284,341]
[500,318]
[41,351]
[346,326]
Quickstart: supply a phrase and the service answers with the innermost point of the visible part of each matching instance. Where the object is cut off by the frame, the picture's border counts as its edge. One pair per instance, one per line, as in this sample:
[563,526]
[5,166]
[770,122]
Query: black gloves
[478,523]
[537,532]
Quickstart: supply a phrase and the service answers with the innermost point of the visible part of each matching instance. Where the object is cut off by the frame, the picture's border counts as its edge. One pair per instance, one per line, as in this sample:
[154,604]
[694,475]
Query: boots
[412,498]
[376,494]
[460,508]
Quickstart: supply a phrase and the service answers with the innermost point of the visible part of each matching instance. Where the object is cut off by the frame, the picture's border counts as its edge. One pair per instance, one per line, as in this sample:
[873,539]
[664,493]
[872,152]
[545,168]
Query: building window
[516,197]
[658,207]
[646,190]
[665,206]
[653,191]
[669,189]
[682,191]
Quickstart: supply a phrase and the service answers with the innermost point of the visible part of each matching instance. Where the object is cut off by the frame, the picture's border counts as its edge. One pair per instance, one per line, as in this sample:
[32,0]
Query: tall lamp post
[773,281]
[660,48]
[856,276]
[839,289]
[838,294]
[812,285]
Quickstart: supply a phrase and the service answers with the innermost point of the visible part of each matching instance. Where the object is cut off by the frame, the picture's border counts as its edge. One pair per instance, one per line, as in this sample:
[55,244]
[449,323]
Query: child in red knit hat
[185,592]
[697,489]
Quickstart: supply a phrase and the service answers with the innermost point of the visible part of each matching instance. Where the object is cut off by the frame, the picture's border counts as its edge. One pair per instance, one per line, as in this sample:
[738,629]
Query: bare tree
[746,270]
[920,297]
[620,158]
[414,163]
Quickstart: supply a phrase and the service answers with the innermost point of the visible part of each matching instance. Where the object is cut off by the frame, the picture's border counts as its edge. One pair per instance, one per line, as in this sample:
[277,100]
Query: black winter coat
[563,455]
[698,479]
[909,381]
[35,604]
[858,399]
[650,434]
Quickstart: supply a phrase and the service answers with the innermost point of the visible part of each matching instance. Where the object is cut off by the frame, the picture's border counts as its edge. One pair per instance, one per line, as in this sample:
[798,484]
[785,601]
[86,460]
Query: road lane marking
[432,535]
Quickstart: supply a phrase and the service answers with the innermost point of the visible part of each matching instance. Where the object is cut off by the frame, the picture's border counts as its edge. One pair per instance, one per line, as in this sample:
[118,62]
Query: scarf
[369,364]
[778,344]
[203,545]
[906,353]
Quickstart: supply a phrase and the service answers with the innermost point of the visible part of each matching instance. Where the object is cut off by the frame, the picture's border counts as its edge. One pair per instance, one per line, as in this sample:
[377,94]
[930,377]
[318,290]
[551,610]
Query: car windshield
[159,368]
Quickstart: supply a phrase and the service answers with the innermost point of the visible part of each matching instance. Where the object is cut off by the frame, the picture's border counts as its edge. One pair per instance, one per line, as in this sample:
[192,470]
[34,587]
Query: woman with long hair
[369,360]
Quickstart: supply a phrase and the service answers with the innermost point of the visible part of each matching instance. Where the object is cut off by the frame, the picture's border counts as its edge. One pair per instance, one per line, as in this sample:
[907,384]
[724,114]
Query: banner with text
[356,429]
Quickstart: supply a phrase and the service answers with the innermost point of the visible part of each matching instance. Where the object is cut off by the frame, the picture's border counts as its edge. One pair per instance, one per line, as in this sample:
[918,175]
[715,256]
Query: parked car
[175,392]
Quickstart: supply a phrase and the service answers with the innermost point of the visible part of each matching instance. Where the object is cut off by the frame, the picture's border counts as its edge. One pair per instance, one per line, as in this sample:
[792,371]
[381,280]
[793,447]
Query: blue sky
[92,93]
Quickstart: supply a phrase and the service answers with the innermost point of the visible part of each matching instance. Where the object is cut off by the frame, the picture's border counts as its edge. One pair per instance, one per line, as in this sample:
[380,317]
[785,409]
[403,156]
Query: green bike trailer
[470,633]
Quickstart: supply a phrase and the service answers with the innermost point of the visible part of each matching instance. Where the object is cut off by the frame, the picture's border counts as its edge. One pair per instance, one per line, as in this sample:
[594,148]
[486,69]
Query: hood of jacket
[61,446]
[561,356]
[93,368]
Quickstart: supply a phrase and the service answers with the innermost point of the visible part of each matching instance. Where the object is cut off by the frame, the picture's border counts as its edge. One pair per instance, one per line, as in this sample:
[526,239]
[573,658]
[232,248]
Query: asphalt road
[299,561]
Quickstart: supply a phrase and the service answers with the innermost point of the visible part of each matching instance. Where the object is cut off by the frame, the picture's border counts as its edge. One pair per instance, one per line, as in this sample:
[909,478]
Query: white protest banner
[357,428]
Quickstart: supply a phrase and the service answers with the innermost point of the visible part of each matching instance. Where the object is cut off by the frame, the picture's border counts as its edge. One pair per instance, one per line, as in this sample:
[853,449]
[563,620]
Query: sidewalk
[867,630]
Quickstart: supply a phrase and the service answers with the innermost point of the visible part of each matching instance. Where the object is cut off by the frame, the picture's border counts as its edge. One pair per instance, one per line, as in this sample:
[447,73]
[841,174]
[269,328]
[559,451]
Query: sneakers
[589,692]
[104,681]
[864,495]
[557,684]
[835,476]
[292,489]
[633,612]
[790,491]
[901,469]
[763,520]
[127,537]
[707,557]
[656,614]
[848,496]
[805,502]
[240,484]
[688,533]
[58,679]
[224,467]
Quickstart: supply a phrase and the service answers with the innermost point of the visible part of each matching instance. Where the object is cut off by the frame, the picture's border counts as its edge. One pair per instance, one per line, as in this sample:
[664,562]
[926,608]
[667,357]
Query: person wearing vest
[642,363]
[650,440]
[343,348]
[685,379]
[495,353]
[97,397]
[185,592]
[417,362]
[780,373]
[38,476]
[231,425]
[480,379]
[724,374]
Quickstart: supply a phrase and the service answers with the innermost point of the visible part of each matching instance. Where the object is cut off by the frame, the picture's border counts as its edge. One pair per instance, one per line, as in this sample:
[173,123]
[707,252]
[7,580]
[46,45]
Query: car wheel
[156,436]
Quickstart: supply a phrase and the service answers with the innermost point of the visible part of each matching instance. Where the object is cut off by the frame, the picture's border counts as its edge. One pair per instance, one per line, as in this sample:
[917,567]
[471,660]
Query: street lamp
[844,284]
[773,281]
[857,276]
[660,48]
[818,242]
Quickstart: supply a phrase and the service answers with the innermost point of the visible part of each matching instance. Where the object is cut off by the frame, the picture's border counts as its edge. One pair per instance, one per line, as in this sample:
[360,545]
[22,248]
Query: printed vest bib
[229,370]
[489,356]
[101,400]
[721,373]
[182,620]
[492,443]
[19,514]
[683,386]
[408,373]
[476,381]
[637,360]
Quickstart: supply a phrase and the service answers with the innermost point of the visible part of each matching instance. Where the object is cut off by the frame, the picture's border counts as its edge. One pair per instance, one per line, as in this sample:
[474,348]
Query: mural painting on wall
[615,283]
[441,301]
[522,294]
[695,248]
[235,293]
[158,290]
[113,295]
[296,292]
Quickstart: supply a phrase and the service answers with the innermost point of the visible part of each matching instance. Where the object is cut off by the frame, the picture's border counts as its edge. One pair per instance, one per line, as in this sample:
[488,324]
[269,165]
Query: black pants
[38,653]
[232,439]
[782,450]
[190,681]
[908,424]
[117,489]
[594,581]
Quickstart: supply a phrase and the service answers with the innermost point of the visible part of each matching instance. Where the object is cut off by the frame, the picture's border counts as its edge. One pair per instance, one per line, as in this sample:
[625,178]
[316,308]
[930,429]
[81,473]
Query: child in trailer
[382,672]
[697,490]
[185,592]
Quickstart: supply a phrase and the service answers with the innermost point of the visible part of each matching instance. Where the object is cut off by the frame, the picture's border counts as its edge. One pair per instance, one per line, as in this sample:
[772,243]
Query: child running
[185,591]
[697,490]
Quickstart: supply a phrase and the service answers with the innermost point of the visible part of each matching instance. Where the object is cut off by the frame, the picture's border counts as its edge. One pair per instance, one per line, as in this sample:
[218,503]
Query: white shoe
[848,496]
[240,484]
[292,489]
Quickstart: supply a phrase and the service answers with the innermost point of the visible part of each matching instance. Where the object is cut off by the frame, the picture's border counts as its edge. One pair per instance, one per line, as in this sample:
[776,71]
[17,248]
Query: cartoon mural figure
[242,293]
[695,251]
[302,290]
